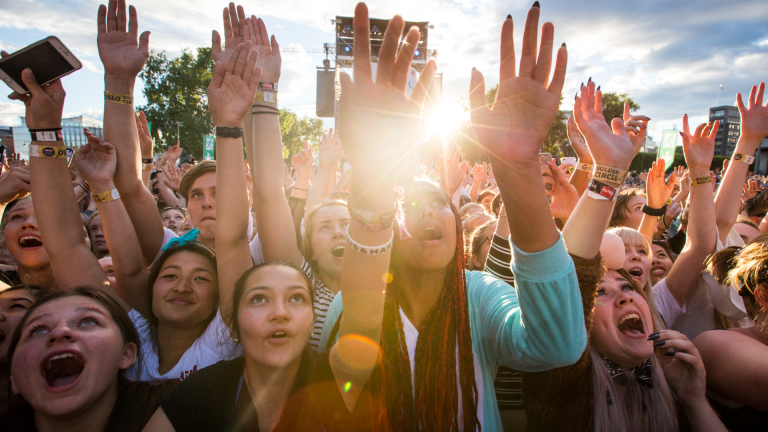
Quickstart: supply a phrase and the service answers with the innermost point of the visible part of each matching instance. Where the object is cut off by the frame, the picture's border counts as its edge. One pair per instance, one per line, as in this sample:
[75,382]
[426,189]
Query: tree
[613,105]
[295,130]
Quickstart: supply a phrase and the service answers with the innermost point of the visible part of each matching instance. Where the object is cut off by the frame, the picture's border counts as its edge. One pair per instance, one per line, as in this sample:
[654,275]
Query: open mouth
[62,369]
[658,271]
[338,251]
[430,234]
[631,325]
[30,241]
[636,273]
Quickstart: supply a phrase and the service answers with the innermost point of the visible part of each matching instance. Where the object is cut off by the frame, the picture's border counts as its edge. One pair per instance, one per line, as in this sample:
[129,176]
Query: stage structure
[342,54]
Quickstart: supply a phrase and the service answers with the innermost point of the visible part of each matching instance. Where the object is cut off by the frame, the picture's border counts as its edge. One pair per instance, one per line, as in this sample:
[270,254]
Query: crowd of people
[142,293]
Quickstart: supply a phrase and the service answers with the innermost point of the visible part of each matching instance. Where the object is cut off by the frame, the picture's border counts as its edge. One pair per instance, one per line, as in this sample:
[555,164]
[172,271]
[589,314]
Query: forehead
[206,181]
[173,213]
[331,212]
[16,293]
[657,249]
[188,260]
[96,220]
[276,276]
[106,261]
[23,206]
[66,306]
[637,199]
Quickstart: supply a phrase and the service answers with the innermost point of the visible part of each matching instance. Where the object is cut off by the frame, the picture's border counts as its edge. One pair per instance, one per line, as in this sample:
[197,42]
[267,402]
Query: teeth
[56,357]
[630,316]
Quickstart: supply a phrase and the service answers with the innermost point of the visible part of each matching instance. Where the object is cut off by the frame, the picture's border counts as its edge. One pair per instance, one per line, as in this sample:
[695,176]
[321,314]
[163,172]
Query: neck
[269,389]
[93,418]
[760,330]
[42,276]
[419,291]
[173,341]
[210,242]
[331,282]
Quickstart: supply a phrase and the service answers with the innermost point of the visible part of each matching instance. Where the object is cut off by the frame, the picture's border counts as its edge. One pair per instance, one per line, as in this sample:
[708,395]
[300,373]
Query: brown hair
[307,242]
[484,194]
[621,209]
[193,174]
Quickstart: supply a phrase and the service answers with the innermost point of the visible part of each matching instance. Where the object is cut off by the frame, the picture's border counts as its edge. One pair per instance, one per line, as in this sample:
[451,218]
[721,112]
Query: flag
[670,139]
[209,142]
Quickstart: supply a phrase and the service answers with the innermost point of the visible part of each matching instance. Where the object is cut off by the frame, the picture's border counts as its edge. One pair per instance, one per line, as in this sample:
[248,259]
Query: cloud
[10,112]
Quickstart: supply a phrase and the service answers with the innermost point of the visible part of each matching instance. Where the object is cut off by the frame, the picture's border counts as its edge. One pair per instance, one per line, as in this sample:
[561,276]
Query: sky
[670,56]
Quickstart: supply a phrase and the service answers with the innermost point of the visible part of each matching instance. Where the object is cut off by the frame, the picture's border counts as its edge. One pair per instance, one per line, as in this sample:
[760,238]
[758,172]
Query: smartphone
[2,158]
[49,60]
[569,160]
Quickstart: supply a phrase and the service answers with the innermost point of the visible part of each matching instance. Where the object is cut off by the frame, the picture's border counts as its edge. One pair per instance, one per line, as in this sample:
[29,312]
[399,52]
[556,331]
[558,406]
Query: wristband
[264,85]
[85,186]
[265,112]
[372,221]
[51,152]
[601,191]
[118,98]
[298,193]
[229,132]
[613,175]
[46,135]
[107,196]
[699,181]
[266,97]
[147,167]
[650,211]
[570,169]
[148,160]
[584,167]
[369,250]
[741,157]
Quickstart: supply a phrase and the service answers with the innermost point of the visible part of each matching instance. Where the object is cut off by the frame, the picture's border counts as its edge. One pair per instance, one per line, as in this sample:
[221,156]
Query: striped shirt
[322,298]
[508,383]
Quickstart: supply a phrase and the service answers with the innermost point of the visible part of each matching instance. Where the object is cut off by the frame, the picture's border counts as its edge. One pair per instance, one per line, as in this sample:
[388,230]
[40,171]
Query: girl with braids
[620,382]
[444,332]
[736,358]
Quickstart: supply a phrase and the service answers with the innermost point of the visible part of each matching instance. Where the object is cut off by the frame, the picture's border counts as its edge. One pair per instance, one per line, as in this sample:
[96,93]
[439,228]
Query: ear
[476,262]
[129,355]
[756,220]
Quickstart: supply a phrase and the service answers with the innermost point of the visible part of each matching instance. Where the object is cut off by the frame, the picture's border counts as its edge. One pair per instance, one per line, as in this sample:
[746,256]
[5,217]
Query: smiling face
[634,214]
[660,264]
[329,228]
[637,263]
[432,226]
[22,237]
[487,201]
[622,322]
[13,305]
[96,232]
[186,291]
[275,316]
[202,206]
[69,356]
[172,219]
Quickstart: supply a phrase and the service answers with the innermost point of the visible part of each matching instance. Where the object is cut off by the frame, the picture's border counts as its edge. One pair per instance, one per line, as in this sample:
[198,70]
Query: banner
[670,138]
[209,142]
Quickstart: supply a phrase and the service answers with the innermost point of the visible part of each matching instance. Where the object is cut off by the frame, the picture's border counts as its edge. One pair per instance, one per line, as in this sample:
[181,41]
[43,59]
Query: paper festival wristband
[262,96]
[741,157]
[46,150]
[118,98]
[611,175]
[601,191]
[269,86]
[369,250]
[699,181]
[103,197]
[584,167]
[46,135]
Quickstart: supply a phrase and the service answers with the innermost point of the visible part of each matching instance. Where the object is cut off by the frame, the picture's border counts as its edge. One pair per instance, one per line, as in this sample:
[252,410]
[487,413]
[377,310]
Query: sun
[443,120]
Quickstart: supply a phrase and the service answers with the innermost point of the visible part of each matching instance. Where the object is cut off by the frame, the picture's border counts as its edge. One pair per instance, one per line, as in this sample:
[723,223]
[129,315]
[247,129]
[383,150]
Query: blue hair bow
[189,237]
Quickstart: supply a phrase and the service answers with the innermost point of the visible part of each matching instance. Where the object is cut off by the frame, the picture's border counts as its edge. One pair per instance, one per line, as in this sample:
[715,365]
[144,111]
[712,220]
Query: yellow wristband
[266,97]
[699,181]
[118,98]
[612,175]
[47,151]
[147,167]
[584,167]
[106,196]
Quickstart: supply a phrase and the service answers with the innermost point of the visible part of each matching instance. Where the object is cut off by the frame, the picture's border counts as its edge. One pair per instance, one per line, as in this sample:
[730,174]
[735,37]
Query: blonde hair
[750,274]
[633,237]
[464,210]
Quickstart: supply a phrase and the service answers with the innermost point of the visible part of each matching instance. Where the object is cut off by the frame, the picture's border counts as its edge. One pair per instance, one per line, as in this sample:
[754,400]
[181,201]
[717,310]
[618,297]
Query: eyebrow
[37,318]
[202,189]
[268,288]
[178,267]
[22,298]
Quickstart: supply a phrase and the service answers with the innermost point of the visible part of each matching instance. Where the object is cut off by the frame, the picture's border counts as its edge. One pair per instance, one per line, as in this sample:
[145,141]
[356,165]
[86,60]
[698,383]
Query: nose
[209,202]
[184,285]
[425,211]
[624,298]
[279,313]
[30,224]
[339,230]
[62,333]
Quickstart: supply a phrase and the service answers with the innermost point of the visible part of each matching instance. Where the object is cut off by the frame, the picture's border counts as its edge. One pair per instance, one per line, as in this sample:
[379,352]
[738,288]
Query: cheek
[250,321]
[25,363]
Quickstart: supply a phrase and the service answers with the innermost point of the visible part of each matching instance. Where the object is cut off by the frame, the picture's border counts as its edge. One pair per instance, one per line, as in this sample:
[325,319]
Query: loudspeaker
[326,94]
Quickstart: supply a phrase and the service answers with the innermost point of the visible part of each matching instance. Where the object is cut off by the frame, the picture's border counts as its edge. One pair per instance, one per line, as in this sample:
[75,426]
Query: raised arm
[699,148]
[658,194]
[478,177]
[330,154]
[580,177]
[378,125]
[123,54]
[146,144]
[56,210]
[610,147]
[754,127]
[230,95]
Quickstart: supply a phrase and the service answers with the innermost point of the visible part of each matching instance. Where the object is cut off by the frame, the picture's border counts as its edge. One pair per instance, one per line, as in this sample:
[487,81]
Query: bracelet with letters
[270,86]
[581,166]
[262,96]
[699,181]
[118,98]
[612,175]
[46,135]
[601,191]
[47,151]
[369,250]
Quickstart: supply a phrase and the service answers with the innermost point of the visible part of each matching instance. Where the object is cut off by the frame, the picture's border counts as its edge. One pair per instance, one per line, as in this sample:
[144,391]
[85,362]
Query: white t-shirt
[213,346]
[256,252]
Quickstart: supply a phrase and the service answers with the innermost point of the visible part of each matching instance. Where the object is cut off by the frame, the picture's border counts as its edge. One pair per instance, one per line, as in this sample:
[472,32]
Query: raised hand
[657,191]
[684,369]
[145,138]
[233,87]
[636,126]
[234,27]
[564,195]
[303,160]
[578,143]
[270,61]
[513,130]
[330,149]
[14,184]
[452,172]
[377,123]
[14,160]
[174,153]
[699,147]
[612,148]
[287,178]
[123,53]
[96,161]
[478,173]
[750,190]
[754,117]
[172,177]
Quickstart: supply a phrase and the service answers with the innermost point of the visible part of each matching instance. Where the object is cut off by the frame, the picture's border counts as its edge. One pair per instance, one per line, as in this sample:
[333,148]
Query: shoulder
[716,342]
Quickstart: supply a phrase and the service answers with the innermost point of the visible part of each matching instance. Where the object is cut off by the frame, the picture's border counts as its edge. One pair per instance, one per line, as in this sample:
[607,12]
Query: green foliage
[642,162]
[176,91]
[613,105]
[295,130]
[490,95]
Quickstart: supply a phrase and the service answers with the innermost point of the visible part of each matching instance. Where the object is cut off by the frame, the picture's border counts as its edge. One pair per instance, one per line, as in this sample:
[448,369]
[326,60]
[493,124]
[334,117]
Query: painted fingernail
[653,336]
[670,354]
[582,83]
[598,88]
[659,343]
[576,97]
[509,16]
[536,4]
[589,80]
[563,45]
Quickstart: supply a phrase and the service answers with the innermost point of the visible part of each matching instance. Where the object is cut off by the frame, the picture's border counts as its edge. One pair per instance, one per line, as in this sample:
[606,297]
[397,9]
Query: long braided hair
[436,407]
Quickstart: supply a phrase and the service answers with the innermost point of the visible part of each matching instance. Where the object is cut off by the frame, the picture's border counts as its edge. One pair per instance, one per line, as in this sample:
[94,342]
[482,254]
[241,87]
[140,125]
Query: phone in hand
[49,60]
[568,160]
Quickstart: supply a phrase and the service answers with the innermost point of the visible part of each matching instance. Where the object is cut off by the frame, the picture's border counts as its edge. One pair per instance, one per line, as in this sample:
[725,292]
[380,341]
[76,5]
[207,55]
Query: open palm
[754,116]
[233,87]
[699,147]
[122,52]
[234,23]
[97,160]
[270,61]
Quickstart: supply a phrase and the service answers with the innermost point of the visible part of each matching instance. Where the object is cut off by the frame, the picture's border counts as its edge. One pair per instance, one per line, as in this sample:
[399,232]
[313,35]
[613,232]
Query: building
[729,131]
[6,138]
[761,157]
[71,128]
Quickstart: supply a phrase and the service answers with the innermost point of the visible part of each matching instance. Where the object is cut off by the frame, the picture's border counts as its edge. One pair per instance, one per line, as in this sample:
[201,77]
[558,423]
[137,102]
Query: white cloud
[10,112]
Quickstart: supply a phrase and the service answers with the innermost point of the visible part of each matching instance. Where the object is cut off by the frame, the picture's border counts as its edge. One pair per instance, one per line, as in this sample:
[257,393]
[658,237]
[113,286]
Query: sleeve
[256,251]
[297,213]
[168,235]
[666,304]
[499,260]
[331,318]
[218,339]
[540,325]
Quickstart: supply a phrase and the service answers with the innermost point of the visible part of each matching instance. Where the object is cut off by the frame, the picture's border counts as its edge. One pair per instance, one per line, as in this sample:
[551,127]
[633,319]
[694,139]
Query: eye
[38,330]
[258,298]
[297,298]
[202,278]
[325,227]
[627,287]
[19,306]
[89,322]
[600,292]
[345,224]
[642,252]
[195,195]
[169,276]
[110,271]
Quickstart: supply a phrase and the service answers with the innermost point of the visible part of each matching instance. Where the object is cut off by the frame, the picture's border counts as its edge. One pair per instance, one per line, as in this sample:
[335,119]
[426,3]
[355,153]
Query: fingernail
[509,16]
[653,336]
[563,45]
[589,80]
[582,83]
[659,343]
[473,68]
[536,4]
[576,97]
[598,88]
[617,116]
[670,354]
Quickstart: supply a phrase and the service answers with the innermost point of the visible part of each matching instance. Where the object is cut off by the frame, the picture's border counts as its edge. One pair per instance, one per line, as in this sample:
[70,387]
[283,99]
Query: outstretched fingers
[250,75]
[362,52]
[404,57]
[122,18]
[507,64]
[686,128]
[477,94]
[425,81]
[530,37]
[715,127]
[558,78]
[388,51]
[227,23]
[133,22]
[112,15]
[544,63]
[102,19]
[242,58]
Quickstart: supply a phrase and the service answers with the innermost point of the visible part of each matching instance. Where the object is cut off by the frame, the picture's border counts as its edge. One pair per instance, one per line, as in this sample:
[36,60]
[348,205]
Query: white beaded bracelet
[369,250]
